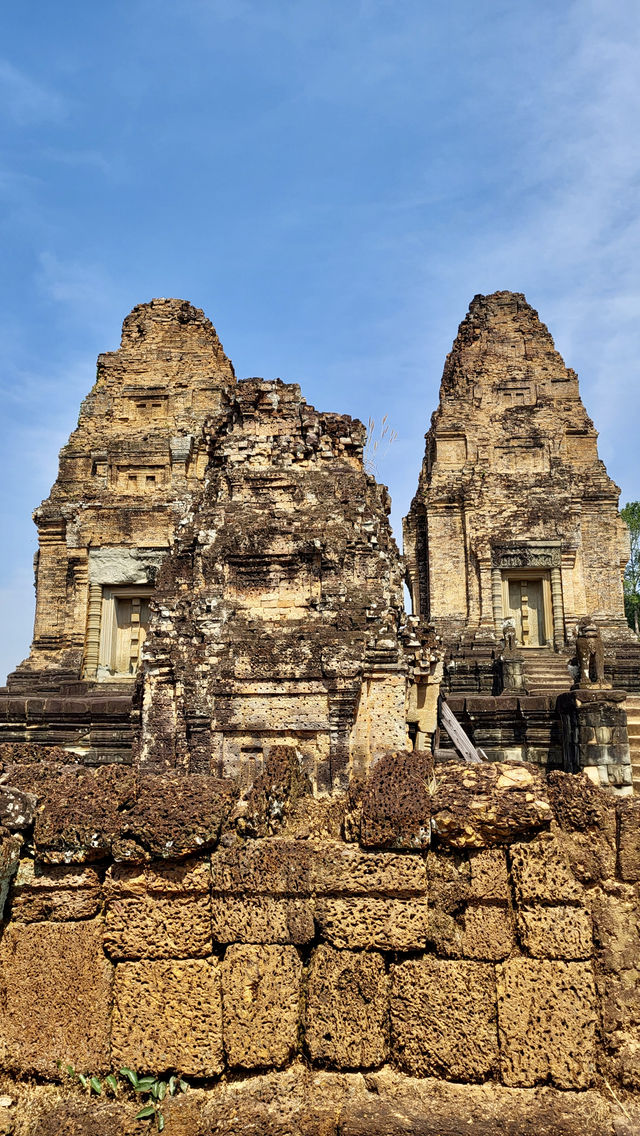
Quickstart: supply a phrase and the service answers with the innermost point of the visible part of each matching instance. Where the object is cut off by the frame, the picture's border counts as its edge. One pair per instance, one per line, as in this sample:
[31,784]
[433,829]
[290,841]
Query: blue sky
[332,182]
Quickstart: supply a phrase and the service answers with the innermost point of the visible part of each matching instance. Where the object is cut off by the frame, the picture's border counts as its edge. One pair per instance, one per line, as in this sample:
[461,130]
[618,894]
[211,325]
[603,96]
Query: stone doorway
[527,600]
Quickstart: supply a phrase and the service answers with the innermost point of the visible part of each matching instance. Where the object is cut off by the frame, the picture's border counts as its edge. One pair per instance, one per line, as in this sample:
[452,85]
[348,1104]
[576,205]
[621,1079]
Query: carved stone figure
[509,636]
[511,661]
[590,654]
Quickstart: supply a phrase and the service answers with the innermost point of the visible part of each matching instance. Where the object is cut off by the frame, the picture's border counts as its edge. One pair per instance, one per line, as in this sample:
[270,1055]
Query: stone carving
[511,661]
[590,655]
[509,634]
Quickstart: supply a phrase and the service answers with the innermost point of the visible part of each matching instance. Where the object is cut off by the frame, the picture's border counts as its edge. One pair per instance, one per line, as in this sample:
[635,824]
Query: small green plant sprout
[377,444]
[156,1091]
[153,1090]
[91,1083]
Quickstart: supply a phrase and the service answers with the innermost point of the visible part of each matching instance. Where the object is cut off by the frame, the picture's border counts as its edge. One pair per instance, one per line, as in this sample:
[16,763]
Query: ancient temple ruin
[217,575]
[245,520]
[347,868]
[515,515]
[514,539]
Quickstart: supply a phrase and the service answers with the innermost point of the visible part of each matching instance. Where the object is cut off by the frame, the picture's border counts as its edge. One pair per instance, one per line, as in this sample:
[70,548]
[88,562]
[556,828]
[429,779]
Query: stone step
[540,676]
[542,684]
[545,672]
[559,671]
[549,676]
[561,675]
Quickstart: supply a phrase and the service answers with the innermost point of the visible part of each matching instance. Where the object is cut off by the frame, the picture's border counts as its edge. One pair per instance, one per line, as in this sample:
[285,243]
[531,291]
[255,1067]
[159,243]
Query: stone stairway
[632,706]
[545,672]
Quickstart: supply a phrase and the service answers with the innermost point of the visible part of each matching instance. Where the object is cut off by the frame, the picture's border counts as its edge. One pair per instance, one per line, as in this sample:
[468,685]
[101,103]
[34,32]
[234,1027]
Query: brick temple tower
[515,516]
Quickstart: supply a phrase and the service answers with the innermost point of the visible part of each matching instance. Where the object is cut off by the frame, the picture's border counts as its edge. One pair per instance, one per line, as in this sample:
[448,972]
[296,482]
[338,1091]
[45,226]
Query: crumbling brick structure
[227,850]
[467,942]
[278,607]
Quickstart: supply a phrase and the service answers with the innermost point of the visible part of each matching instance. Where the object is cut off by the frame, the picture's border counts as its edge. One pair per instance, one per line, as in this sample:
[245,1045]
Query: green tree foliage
[631,515]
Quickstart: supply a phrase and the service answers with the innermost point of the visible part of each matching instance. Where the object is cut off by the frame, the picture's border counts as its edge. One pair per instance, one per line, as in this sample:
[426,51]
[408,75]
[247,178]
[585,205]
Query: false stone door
[125,617]
[526,606]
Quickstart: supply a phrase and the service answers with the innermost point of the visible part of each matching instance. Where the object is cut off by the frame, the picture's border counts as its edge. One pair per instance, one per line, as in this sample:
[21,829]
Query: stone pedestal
[512,673]
[595,737]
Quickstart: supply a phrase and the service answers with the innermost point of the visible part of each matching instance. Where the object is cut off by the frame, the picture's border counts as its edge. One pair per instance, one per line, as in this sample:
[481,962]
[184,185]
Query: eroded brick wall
[481,928]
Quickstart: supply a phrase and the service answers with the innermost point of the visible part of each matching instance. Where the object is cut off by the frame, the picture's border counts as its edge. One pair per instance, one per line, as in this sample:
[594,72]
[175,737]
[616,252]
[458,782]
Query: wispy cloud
[25,101]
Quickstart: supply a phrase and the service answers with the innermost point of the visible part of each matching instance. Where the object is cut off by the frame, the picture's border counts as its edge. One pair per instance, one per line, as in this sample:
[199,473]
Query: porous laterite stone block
[168,1015]
[261,987]
[383,924]
[261,919]
[443,1019]
[347,1009]
[42,892]
[158,912]
[547,1017]
[541,874]
[629,840]
[55,993]
[555,932]
[488,932]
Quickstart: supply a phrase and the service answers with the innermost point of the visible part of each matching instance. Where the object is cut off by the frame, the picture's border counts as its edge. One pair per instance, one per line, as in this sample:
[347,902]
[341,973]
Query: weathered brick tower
[515,516]
[279,601]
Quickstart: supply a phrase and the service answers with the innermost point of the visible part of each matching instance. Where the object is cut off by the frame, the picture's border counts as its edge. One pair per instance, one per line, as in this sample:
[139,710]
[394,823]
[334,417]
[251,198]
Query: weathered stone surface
[488,932]
[546,1018]
[43,891]
[425,1108]
[586,816]
[261,919]
[261,989]
[511,471]
[443,1018]
[616,930]
[299,1101]
[16,808]
[172,817]
[489,875]
[277,604]
[278,664]
[89,814]
[478,805]
[394,803]
[264,808]
[629,838]
[55,993]
[449,876]
[168,1016]
[158,912]
[30,753]
[555,932]
[10,847]
[347,1008]
[125,478]
[541,873]
[278,866]
[80,811]
[386,924]
[282,866]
